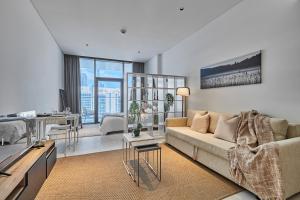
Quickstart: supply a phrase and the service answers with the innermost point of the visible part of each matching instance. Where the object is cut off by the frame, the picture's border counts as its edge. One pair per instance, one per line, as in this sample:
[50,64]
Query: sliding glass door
[109,96]
[102,86]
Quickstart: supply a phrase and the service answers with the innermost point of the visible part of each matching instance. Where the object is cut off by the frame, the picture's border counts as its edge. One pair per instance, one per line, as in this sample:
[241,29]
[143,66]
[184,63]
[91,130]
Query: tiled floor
[100,143]
[86,145]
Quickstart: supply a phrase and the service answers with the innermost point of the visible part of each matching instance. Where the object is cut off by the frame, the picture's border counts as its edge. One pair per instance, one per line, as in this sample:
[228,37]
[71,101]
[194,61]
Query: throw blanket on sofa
[254,161]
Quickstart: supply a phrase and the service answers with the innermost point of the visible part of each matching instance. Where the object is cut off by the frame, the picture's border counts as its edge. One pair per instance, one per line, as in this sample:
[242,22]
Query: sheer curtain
[72,82]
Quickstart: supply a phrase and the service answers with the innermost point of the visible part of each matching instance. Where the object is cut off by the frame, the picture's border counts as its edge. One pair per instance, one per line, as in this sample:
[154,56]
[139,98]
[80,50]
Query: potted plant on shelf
[135,116]
[169,101]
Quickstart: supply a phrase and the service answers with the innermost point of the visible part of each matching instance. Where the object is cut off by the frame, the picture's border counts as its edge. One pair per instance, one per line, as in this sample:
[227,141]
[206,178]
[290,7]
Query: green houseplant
[169,101]
[135,117]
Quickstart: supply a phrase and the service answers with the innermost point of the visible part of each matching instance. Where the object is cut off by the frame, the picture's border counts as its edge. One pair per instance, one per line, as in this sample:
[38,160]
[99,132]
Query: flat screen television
[16,139]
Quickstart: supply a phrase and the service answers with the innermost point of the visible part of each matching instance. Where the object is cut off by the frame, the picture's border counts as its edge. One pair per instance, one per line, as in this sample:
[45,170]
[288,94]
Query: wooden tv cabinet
[28,174]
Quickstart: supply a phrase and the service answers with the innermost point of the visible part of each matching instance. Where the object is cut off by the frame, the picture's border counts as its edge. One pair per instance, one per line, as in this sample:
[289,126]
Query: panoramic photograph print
[243,70]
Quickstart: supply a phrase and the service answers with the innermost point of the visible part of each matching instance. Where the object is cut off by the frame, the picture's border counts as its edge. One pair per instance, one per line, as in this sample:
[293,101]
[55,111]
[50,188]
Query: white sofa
[212,152]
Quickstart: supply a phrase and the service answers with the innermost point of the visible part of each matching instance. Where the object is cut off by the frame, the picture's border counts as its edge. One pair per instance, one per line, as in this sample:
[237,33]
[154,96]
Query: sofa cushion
[279,127]
[293,131]
[206,142]
[214,117]
[191,113]
[200,123]
[227,128]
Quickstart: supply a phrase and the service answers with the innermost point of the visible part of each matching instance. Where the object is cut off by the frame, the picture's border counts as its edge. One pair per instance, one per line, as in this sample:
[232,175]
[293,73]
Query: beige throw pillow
[191,114]
[293,131]
[214,117]
[227,128]
[200,123]
[279,127]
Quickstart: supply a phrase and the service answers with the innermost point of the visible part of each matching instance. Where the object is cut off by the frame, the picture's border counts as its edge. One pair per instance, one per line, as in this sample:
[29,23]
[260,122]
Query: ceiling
[153,26]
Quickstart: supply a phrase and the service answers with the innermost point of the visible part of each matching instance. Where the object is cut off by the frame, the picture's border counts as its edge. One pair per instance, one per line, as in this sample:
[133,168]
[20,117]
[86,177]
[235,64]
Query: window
[102,83]
[87,89]
[109,69]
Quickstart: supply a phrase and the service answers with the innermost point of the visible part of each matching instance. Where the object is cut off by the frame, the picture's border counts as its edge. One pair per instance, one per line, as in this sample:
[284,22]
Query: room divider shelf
[149,92]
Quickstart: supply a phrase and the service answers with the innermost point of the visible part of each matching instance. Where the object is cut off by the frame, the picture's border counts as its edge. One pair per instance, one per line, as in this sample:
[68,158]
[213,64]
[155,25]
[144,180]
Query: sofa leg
[195,152]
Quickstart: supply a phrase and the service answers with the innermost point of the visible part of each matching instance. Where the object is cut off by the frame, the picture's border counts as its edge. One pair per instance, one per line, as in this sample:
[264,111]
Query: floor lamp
[184,92]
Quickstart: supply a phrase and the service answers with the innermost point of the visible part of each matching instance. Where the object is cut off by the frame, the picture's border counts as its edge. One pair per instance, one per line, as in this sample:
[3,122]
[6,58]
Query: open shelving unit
[149,92]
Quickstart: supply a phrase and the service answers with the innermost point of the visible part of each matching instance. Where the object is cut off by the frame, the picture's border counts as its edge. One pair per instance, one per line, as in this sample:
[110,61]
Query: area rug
[103,176]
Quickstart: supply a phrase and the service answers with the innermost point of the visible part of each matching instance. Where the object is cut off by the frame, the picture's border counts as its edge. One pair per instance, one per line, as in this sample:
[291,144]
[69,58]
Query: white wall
[270,25]
[151,66]
[31,63]
[154,65]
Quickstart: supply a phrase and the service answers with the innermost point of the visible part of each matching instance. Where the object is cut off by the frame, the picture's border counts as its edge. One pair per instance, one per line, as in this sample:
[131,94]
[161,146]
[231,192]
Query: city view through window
[108,79]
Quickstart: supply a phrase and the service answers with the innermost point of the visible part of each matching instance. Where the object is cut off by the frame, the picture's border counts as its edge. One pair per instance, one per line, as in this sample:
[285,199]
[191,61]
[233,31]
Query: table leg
[159,164]
[44,129]
[126,153]
[123,148]
[138,176]
[134,167]
[66,142]
[129,147]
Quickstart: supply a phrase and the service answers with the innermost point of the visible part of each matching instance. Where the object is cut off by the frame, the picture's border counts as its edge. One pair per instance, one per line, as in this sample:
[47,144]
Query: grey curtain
[72,82]
[138,67]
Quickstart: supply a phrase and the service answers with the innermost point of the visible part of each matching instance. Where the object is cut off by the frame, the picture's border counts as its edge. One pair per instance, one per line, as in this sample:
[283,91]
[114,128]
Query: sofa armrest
[289,156]
[176,122]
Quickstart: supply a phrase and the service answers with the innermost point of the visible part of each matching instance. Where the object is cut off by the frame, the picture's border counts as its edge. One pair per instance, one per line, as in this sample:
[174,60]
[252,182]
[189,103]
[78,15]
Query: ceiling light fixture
[123,30]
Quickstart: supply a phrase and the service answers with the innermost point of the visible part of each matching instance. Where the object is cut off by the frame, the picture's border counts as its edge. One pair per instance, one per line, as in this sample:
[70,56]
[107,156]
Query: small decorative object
[68,110]
[184,92]
[137,130]
[243,70]
[169,101]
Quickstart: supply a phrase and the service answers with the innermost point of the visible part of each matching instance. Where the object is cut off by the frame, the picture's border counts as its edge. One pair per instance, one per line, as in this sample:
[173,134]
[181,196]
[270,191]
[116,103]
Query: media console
[28,174]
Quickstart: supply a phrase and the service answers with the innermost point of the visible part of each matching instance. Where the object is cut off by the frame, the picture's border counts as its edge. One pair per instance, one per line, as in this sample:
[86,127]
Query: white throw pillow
[227,128]
[200,123]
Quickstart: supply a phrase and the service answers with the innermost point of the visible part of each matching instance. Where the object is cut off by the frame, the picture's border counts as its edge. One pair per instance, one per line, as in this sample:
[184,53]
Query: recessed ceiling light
[123,30]
[181,8]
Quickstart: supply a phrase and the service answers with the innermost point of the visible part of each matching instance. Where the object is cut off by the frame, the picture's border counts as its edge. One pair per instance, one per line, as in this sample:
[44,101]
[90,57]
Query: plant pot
[136,132]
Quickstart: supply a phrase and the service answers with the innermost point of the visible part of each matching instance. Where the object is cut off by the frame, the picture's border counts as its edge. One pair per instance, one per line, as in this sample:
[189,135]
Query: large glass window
[109,69]
[101,87]
[87,90]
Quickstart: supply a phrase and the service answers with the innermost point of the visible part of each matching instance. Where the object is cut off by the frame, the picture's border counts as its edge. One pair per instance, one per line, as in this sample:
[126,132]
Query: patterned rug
[103,176]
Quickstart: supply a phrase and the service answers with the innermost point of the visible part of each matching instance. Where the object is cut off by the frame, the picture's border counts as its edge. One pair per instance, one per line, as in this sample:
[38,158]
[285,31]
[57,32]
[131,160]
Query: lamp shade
[183,91]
